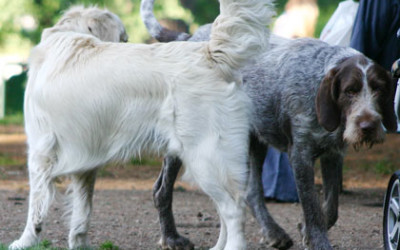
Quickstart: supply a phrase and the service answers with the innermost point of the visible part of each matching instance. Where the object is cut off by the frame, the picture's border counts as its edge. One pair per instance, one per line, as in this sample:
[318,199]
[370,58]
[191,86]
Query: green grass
[14,119]
[108,245]
[384,167]
[46,245]
[6,160]
[146,161]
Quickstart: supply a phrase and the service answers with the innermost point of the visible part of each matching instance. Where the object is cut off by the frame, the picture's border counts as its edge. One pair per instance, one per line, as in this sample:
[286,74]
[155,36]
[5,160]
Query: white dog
[89,102]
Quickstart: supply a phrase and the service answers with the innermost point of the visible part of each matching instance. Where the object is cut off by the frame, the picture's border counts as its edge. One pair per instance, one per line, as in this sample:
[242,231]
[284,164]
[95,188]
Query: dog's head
[359,94]
[102,24]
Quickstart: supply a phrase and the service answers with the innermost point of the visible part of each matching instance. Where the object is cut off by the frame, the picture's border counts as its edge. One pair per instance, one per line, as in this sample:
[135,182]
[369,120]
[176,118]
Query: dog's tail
[154,27]
[239,33]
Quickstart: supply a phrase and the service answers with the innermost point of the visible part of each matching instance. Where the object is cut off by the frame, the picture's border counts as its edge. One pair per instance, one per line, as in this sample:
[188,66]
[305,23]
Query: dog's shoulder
[36,58]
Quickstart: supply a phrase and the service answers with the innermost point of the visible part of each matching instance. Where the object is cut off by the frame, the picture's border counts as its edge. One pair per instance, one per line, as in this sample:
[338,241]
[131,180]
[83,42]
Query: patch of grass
[108,245]
[46,245]
[104,173]
[6,160]
[180,189]
[346,169]
[146,161]
[14,119]
[384,167]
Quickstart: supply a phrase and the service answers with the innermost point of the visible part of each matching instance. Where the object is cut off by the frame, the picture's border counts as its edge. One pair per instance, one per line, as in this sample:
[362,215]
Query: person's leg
[270,170]
[278,177]
[286,185]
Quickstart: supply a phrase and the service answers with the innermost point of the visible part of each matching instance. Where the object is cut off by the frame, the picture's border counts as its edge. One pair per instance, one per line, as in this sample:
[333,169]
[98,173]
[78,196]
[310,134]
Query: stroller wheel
[391,214]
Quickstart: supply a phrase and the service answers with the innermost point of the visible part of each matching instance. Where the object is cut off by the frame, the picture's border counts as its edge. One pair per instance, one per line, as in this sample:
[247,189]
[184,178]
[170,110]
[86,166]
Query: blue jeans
[278,178]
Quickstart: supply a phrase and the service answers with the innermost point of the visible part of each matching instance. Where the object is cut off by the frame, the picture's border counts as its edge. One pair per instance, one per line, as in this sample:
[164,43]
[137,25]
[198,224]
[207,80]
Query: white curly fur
[89,102]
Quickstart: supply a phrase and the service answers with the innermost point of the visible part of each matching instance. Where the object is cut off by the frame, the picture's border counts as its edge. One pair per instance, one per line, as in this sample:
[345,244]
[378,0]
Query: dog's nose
[368,126]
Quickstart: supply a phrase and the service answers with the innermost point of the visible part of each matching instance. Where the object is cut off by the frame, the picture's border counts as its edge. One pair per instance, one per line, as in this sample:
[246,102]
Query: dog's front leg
[314,231]
[82,194]
[331,167]
[275,236]
[162,195]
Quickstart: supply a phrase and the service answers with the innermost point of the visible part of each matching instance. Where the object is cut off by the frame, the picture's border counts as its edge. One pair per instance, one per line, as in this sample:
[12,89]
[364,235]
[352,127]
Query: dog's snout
[368,126]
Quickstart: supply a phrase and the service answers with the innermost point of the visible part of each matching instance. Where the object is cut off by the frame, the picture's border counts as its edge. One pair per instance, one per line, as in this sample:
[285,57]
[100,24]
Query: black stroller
[391,212]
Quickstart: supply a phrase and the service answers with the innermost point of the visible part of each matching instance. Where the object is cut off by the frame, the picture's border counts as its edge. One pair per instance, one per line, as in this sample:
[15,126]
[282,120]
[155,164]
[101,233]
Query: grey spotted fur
[283,84]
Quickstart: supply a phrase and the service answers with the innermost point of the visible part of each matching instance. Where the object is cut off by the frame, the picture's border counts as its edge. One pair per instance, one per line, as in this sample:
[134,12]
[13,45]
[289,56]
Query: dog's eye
[90,29]
[351,91]
[377,87]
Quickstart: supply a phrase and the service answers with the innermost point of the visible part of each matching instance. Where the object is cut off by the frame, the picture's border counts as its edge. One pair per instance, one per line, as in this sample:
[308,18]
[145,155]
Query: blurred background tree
[22,22]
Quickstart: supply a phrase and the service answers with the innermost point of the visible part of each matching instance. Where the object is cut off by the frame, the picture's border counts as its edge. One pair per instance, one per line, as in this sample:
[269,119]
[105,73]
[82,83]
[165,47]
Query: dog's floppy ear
[328,111]
[107,27]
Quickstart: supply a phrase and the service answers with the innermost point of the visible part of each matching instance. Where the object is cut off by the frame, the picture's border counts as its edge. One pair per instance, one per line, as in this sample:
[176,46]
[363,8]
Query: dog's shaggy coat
[310,99]
[89,102]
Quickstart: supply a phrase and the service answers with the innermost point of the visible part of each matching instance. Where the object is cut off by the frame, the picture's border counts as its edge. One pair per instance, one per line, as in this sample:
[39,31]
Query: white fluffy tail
[239,33]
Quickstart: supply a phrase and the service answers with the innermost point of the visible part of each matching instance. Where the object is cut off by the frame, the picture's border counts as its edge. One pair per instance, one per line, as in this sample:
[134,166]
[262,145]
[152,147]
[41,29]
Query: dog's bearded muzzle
[367,133]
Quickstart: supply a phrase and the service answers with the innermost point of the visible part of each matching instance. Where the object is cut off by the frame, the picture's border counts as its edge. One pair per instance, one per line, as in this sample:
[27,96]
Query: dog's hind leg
[42,191]
[331,167]
[275,236]
[222,238]
[314,231]
[162,195]
[232,214]
[225,186]
[82,186]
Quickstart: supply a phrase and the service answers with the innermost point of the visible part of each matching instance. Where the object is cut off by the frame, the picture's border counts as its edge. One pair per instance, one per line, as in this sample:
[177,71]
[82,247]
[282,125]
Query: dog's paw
[316,241]
[282,243]
[22,244]
[320,245]
[176,243]
[78,241]
[277,238]
[302,230]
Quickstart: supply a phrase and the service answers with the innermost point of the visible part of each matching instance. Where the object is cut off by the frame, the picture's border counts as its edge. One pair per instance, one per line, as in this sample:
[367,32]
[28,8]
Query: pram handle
[396,69]
[396,65]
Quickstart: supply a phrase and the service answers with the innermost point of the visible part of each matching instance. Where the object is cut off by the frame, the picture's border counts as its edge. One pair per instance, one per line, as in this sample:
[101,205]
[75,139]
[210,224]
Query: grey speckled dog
[311,100]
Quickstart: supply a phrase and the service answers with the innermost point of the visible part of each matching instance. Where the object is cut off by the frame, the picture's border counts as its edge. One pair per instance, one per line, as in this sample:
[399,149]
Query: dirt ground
[124,214]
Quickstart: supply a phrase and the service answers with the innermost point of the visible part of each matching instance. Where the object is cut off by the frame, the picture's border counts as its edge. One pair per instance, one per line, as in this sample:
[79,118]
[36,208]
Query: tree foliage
[15,35]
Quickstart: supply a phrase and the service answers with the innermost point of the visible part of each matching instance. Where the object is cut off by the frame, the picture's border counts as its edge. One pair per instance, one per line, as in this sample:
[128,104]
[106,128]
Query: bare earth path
[128,219]
[124,213]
